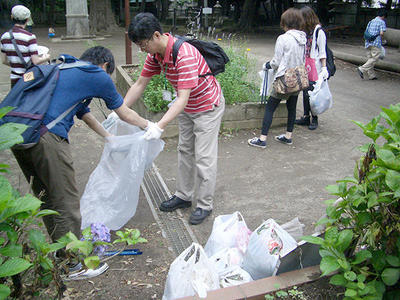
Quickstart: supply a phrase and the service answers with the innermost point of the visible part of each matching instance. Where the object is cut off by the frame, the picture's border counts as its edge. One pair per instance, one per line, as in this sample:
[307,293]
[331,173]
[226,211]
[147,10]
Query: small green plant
[362,237]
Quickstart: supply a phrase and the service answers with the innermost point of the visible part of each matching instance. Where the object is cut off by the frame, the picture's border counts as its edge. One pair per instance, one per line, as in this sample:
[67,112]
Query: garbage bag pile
[232,255]
[112,192]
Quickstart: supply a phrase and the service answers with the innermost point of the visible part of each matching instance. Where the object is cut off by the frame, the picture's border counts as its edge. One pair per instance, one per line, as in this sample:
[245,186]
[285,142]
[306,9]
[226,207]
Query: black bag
[368,36]
[330,60]
[31,97]
[214,55]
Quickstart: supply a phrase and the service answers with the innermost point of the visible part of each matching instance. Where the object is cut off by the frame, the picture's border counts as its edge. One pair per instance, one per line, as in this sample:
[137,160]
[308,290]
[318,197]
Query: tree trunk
[101,17]
[247,16]
[50,16]
[389,5]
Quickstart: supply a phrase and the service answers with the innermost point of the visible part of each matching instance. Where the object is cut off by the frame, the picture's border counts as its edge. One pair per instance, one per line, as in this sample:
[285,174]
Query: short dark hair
[19,22]
[99,55]
[382,12]
[143,27]
[292,19]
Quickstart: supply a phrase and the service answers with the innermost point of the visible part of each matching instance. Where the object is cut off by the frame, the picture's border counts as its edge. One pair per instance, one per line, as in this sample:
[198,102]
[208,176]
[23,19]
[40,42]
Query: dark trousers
[270,108]
[306,99]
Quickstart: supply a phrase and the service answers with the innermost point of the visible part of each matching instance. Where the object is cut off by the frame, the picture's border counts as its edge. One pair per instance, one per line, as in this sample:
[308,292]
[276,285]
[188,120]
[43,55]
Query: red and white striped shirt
[206,91]
[27,44]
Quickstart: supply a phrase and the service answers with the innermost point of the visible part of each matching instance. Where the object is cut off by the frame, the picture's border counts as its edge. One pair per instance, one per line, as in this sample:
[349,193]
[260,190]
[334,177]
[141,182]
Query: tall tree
[101,17]
[247,16]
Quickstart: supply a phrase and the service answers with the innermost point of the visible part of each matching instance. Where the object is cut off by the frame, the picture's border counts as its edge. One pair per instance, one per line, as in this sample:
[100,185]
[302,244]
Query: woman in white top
[315,49]
[289,53]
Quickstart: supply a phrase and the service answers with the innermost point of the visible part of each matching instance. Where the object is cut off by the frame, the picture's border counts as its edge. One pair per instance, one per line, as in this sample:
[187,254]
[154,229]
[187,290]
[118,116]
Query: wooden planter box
[237,116]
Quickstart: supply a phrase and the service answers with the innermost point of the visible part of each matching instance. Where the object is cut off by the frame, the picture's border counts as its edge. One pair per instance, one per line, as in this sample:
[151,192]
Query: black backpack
[330,60]
[31,97]
[214,55]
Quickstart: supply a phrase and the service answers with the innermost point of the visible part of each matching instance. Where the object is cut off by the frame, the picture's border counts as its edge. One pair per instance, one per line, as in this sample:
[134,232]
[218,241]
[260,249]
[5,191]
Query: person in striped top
[199,107]
[26,43]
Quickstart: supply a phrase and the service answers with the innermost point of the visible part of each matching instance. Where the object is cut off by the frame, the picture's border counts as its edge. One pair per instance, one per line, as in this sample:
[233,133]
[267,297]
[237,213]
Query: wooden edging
[256,290]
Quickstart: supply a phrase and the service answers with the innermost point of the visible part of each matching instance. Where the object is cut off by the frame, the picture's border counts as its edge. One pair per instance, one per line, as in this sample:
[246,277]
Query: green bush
[238,82]
[362,237]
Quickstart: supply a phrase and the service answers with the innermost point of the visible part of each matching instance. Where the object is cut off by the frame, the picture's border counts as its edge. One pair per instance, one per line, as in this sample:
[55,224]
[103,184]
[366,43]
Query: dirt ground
[280,182]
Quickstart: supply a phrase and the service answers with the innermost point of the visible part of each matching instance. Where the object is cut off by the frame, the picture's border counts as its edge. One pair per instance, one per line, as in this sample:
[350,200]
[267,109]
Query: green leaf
[23,204]
[313,239]
[37,239]
[5,192]
[46,263]
[328,265]
[343,263]
[92,262]
[350,275]
[55,246]
[331,234]
[349,180]
[372,199]
[350,293]
[84,246]
[4,110]
[333,189]
[14,266]
[10,134]
[46,212]
[323,253]
[390,276]
[361,277]
[394,261]
[4,291]
[363,218]
[11,250]
[392,180]
[388,158]
[361,256]
[378,260]
[338,279]
[344,240]
[141,240]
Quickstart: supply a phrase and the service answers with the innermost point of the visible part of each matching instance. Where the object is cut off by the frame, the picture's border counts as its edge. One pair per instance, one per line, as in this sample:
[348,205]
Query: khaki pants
[198,155]
[50,164]
[373,54]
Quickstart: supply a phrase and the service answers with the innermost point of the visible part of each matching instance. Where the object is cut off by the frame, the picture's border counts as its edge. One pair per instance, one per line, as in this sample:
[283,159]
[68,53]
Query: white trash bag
[226,258]
[267,244]
[112,192]
[320,97]
[294,228]
[234,275]
[267,79]
[228,231]
[190,273]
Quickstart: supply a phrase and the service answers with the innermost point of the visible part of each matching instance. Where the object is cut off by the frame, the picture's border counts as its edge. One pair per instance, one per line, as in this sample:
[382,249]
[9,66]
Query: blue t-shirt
[76,85]
[375,27]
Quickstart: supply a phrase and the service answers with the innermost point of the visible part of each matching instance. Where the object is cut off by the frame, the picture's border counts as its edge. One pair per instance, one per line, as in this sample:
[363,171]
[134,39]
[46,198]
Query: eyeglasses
[144,43]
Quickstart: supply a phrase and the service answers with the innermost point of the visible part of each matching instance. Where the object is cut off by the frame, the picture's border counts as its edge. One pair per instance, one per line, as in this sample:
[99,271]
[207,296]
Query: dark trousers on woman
[270,108]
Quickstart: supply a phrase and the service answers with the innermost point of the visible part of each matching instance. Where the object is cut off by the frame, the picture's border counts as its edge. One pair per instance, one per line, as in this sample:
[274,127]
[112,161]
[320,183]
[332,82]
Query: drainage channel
[173,226]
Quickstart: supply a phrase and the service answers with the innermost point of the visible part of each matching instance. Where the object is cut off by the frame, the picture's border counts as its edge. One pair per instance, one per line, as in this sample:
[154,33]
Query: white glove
[111,119]
[153,131]
[324,73]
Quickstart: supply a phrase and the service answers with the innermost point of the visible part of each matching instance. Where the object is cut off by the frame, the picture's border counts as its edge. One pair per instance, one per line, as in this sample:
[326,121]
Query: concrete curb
[359,60]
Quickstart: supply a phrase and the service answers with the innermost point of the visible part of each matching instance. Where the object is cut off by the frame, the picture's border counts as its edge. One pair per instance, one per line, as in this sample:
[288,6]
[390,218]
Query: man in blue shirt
[375,27]
[49,163]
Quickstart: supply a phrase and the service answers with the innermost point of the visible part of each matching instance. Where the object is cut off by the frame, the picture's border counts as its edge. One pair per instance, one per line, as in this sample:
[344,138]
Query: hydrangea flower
[99,232]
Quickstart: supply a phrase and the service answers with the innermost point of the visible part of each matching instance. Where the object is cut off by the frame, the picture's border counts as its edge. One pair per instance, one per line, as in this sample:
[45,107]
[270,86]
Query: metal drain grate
[174,227]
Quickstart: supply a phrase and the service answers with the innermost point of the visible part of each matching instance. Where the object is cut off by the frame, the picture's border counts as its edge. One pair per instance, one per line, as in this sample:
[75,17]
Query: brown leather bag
[294,80]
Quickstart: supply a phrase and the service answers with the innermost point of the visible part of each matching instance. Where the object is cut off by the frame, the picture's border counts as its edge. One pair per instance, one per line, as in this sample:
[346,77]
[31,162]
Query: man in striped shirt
[26,43]
[199,107]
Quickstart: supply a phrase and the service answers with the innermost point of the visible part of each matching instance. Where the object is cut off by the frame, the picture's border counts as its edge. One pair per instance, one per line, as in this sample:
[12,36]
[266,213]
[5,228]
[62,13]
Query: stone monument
[77,19]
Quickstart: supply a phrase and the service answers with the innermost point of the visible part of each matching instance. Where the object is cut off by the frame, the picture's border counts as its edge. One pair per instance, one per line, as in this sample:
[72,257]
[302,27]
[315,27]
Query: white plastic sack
[294,228]
[320,97]
[234,276]
[112,192]
[267,79]
[226,258]
[383,53]
[191,272]
[228,231]
[267,244]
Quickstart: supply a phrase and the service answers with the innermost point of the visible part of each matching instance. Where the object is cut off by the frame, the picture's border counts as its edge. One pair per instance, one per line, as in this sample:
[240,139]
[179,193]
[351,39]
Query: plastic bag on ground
[190,273]
[320,97]
[267,244]
[234,276]
[228,231]
[294,228]
[226,258]
[112,192]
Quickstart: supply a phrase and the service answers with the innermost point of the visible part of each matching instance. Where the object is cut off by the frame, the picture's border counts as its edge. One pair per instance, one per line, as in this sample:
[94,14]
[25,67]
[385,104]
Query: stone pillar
[77,19]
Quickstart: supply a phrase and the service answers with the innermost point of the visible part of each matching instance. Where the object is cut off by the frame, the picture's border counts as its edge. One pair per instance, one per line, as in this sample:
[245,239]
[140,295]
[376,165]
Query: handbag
[294,80]
[311,69]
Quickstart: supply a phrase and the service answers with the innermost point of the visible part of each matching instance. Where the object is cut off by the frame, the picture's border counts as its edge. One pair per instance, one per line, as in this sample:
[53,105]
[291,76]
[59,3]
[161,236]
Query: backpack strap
[14,42]
[75,64]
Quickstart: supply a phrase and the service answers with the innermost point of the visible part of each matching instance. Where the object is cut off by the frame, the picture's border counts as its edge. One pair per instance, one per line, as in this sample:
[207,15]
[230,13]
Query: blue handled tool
[125,252]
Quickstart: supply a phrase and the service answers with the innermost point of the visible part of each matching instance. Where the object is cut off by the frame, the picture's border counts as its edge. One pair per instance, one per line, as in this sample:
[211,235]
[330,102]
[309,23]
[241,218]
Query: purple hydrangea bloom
[100,232]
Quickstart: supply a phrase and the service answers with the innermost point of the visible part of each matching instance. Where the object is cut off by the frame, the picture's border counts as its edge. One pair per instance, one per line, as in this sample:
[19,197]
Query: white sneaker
[89,273]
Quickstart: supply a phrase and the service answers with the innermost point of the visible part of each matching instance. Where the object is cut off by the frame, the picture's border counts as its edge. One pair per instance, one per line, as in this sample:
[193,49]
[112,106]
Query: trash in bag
[234,275]
[228,231]
[112,192]
[267,243]
[190,273]
[226,258]
[294,228]
[267,79]
[320,97]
